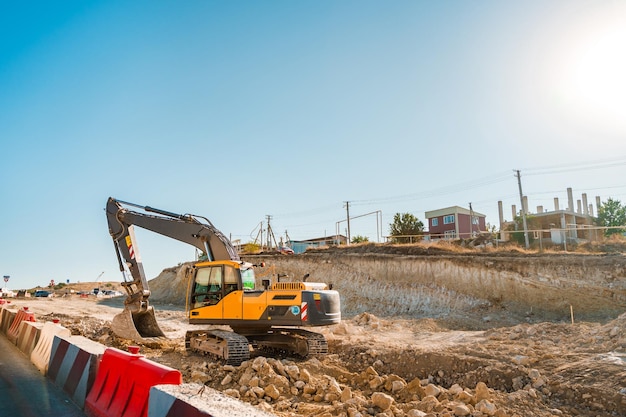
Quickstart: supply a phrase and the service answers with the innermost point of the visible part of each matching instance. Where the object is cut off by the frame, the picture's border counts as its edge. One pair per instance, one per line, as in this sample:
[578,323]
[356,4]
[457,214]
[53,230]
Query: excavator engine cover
[137,326]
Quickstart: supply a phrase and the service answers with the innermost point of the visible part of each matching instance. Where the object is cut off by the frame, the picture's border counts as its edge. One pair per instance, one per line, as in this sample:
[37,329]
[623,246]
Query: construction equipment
[221,291]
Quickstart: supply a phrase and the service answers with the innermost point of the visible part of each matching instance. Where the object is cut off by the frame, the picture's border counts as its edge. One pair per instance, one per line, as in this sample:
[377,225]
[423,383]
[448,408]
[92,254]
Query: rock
[465,397]
[232,393]
[382,400]
[486,407]
[258,392]
[534,374]
[415,413]
[294,373]
[521,360]
[461,410]
[455,389]
[304,375]
[346,394]
[199,376]
[227,380]
[482,392]
[259,363]
[397,386]
[371,371]
[272,392]
[432,389]
[376,382]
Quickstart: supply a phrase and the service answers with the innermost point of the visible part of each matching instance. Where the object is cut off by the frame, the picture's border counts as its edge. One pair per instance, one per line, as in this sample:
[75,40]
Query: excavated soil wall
[552,286]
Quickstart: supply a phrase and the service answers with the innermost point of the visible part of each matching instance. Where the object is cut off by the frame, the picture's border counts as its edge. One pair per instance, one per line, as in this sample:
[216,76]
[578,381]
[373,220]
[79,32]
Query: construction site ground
[481,360]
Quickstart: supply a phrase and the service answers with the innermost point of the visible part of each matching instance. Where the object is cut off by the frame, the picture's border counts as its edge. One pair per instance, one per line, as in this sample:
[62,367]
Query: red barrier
[22,315]
[123,382]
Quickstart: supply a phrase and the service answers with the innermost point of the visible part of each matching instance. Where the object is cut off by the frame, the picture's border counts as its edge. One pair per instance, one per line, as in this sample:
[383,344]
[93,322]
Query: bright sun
[596,82]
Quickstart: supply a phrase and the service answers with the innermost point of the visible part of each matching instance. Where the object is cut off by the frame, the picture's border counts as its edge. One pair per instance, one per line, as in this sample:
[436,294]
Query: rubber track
[237,345]
[316,343]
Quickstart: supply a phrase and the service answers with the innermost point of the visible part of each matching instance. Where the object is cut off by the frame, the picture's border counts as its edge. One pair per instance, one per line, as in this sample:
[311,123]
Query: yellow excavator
[221,291]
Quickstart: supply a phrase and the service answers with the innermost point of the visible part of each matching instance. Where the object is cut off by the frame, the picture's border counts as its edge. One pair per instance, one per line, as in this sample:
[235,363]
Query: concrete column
[570,200]
[556,204]
[539,209]
[514,211]
[525,207]
[585,205]
[500,214]
[579,207]
[591,210]
[598,203]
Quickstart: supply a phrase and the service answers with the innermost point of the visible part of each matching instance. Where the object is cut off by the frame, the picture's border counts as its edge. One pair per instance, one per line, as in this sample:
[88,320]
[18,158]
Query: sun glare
[596,80]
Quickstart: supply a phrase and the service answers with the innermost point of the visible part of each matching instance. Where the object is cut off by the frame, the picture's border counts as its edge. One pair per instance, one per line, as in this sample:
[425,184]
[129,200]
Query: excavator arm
[137,320]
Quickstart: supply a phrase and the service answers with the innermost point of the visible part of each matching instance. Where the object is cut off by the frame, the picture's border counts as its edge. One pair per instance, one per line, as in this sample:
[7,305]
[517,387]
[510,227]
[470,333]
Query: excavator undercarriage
[234,348]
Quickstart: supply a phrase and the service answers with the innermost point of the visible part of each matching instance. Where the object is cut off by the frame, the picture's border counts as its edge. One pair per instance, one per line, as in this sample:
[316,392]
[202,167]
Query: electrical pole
[348,219]
[521,199]
[471,221]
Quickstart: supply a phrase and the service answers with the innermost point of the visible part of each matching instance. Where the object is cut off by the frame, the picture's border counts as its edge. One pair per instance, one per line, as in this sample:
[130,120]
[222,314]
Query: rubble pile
[289,388]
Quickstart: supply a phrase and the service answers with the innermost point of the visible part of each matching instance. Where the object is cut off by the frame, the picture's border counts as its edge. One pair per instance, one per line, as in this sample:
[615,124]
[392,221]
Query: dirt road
[398,367]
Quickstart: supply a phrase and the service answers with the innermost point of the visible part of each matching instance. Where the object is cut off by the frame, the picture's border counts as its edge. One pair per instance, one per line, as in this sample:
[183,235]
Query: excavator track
[225,345]
[300,342]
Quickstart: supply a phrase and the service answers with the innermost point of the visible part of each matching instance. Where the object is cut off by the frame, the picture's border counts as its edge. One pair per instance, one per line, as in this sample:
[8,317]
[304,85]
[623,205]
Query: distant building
[300,246]
[571,224]
[454,223]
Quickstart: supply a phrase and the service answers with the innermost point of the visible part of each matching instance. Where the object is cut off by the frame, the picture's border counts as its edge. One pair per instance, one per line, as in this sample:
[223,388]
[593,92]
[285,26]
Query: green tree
[405,227]
[359,239]
[612,213]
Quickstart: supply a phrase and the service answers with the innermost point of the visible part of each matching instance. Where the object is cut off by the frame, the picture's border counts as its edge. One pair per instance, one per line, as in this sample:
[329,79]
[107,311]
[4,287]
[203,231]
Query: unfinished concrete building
[572,224]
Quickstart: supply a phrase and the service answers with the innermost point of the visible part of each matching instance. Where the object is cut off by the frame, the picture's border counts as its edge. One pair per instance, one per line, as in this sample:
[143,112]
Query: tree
[611,213]
[405,226]
[359,239]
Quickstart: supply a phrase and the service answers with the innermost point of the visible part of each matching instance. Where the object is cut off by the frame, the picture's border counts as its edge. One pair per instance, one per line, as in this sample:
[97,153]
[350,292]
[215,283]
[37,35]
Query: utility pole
[471,221]
[348,219]
[521,199]
[270,233]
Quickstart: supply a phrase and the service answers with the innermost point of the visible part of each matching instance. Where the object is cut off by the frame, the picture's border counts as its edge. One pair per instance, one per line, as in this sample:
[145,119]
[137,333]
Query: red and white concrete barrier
[195,400]
[73,365]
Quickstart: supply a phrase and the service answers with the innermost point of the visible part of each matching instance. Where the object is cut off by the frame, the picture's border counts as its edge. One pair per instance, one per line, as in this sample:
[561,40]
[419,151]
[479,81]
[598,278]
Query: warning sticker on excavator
[129,243]
[317,296]
[295,310]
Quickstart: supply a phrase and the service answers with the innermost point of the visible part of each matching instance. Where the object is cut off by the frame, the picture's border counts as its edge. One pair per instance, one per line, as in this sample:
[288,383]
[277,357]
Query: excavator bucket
[137,326]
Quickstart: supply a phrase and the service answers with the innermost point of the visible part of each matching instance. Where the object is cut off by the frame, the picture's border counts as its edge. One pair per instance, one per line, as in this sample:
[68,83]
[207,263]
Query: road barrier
[22,315]
[73,365]
[28,336]
[195,400]
[123,383]
[40,356]
[107,382]
[6,319]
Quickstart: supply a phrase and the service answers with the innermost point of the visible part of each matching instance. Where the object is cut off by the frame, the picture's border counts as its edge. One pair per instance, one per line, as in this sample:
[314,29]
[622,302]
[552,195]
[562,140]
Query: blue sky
[239,110]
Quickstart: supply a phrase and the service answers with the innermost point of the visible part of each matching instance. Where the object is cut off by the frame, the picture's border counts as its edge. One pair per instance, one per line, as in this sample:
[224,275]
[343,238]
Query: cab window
[231,279]
[207,287]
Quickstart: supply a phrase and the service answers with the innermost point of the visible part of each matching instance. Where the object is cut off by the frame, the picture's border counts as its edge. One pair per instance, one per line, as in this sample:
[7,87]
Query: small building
[454,223]
[300,246]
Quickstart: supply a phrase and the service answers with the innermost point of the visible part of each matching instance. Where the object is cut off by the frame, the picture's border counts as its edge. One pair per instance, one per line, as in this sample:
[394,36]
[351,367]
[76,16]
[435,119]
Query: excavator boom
[137,321]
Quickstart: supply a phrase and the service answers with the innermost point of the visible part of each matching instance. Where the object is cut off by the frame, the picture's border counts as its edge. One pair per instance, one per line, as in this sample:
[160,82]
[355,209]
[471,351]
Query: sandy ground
[396,367]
